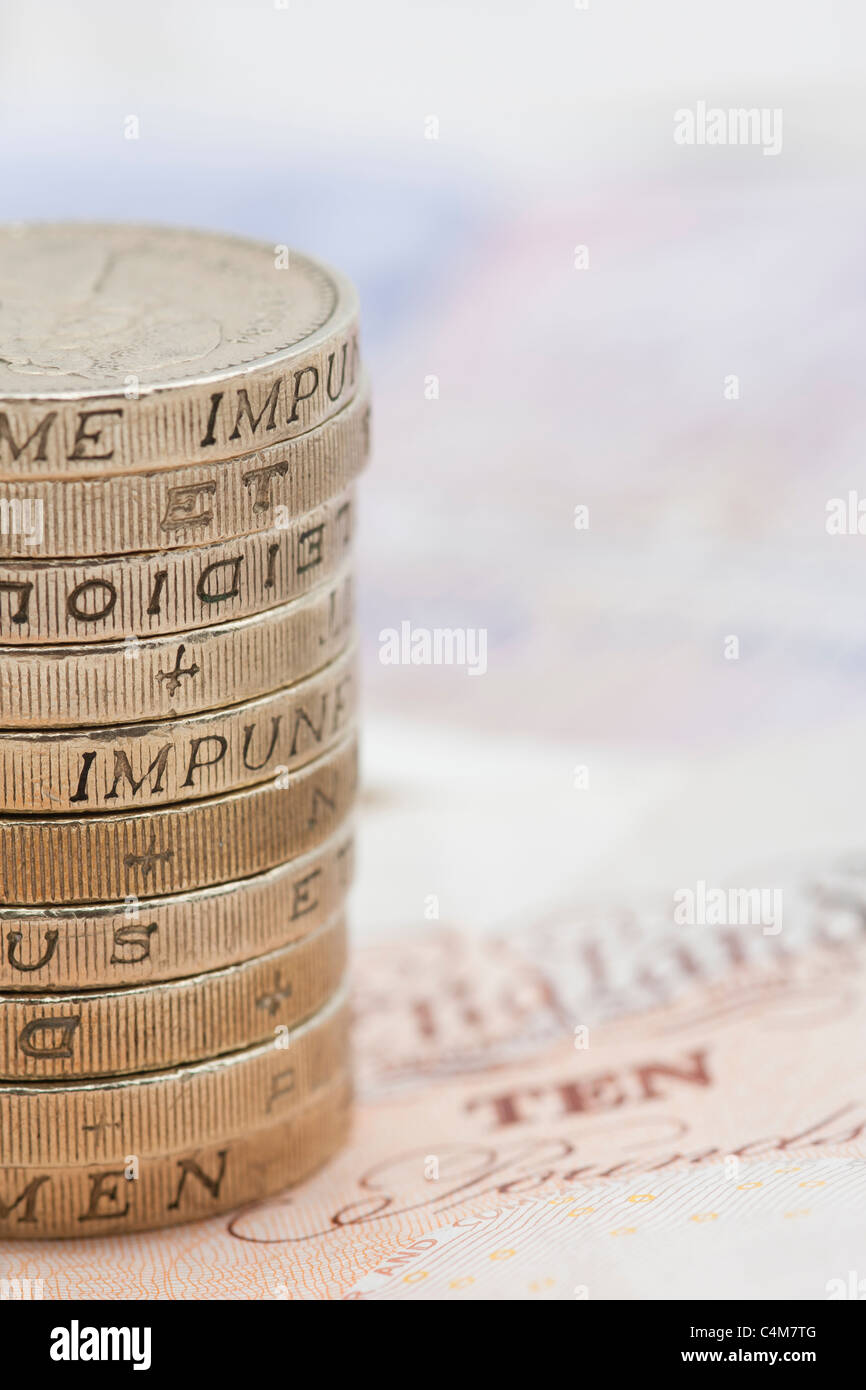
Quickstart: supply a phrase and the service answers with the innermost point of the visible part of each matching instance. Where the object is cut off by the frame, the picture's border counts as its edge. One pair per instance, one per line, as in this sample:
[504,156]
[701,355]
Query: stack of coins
[182,418]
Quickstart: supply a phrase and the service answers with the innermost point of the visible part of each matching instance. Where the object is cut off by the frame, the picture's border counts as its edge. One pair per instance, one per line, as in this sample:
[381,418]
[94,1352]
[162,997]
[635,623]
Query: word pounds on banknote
[182,418]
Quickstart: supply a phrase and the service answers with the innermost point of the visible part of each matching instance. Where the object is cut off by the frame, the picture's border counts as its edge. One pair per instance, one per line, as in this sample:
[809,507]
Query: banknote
[494,839]
[715,1145]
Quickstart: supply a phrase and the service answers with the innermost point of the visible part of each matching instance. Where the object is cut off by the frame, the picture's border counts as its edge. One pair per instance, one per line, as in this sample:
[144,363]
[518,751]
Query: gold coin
[108,945]
[144,596]
[188,1185]
[153,1027]
[196,504]
[72,770]
[65,859]
[124,346]
[56,1124]
[166,677]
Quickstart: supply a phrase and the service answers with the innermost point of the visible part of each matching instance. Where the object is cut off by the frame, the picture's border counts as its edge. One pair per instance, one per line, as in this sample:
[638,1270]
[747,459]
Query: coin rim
[345,309]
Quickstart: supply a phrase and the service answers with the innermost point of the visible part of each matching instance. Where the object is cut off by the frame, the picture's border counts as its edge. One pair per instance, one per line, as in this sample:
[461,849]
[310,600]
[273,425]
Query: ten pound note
[715,1144]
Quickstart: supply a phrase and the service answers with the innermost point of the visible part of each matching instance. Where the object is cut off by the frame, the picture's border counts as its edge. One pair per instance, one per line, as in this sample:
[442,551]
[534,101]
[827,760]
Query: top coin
[127,348]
